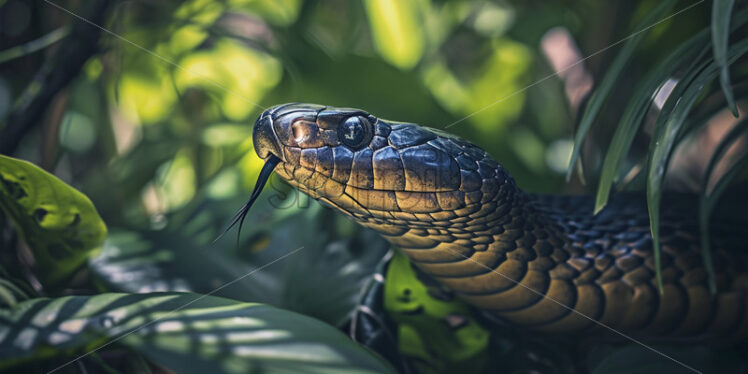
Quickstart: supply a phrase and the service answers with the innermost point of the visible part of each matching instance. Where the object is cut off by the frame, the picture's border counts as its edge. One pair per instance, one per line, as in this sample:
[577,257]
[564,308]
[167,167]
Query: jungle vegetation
[125,149]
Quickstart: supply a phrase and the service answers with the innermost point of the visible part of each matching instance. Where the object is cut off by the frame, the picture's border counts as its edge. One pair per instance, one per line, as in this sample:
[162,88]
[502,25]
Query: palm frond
[693,69]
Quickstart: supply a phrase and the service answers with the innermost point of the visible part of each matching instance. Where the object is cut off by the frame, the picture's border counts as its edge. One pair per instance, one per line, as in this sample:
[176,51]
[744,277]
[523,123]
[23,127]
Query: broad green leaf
[667,130]
[322,280]
[186,333]
[602,92]
[708,199]
[721,12]
[396,30]
[59,224]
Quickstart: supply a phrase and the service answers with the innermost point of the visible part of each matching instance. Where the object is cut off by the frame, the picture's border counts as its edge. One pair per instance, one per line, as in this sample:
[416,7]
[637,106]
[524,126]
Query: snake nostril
[264,138]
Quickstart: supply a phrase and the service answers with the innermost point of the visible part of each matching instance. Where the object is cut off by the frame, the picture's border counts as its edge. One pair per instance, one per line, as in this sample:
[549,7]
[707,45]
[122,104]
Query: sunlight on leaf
[322,280]
[176,181]
[445,87]
[423,327]
[496,92]
[59,224]
[494,96]
[145,97]
[240,76]
[494,19]
[200,12]
[221,135]
[396,32]
[183,332]
[278,12]
[186,38]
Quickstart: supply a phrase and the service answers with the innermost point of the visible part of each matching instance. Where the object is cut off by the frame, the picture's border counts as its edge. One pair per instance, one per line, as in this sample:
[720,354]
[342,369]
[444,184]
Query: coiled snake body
[545,262]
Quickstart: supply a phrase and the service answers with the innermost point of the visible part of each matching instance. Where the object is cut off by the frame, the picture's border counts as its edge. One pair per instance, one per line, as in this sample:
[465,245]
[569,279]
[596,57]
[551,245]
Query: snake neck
[507,224]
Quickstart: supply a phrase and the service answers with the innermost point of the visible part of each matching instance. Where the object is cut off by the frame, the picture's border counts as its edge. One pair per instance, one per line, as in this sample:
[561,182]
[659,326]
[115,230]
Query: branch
[55,74]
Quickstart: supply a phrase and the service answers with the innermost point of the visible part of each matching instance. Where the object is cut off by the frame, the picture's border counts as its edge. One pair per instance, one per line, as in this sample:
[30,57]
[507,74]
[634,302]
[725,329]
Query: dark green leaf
[708,199]
[186,333]
[10,293]
[692,51]
[34,45]
[667,131]
[60,224]
[322,280]
[635,111]
[598,98]
[721,12]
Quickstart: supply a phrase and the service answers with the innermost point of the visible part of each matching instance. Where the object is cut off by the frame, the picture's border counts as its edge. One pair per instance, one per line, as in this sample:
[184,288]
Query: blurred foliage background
[151,116]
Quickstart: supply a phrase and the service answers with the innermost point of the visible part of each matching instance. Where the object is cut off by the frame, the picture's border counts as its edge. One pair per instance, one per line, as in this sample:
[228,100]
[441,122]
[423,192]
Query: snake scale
[540,261]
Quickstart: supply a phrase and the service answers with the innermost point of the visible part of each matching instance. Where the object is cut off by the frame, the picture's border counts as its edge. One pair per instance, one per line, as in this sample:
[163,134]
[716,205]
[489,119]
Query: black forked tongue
[267,169]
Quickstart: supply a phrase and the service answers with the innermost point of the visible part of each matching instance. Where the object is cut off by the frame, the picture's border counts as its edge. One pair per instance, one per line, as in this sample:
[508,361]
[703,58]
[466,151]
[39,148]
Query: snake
[541,262]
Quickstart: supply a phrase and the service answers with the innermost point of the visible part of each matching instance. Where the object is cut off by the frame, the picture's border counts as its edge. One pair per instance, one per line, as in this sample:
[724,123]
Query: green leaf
[635,111]
[323,279]
[602,92]
[34,45]
[721,12]
[422,314]
[667,130]
[59,224]
[692,51]
[11,290]
[396,30]
[708,199]
[186,333]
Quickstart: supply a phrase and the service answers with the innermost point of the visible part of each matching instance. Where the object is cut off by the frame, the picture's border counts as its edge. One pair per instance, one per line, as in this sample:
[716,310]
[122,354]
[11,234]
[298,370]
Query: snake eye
[355,132]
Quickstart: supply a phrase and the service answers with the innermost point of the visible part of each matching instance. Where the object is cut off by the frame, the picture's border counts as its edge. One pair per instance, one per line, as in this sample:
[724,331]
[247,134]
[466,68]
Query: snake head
[387,175]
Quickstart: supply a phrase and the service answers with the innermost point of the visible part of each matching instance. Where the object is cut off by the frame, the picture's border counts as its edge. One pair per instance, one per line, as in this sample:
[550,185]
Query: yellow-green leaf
[59,223]
[397,32]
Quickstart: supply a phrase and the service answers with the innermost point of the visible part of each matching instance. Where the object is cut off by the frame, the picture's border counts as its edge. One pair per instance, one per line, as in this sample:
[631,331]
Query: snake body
[541,261]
